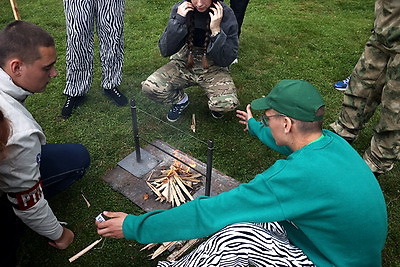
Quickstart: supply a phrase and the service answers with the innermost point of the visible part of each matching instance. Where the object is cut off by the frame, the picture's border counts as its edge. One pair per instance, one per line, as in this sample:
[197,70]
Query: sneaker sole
[340,88]
[172,120]
[215,117]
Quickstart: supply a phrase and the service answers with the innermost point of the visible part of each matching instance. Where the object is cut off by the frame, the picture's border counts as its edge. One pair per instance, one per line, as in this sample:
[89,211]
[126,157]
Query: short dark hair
[22,40]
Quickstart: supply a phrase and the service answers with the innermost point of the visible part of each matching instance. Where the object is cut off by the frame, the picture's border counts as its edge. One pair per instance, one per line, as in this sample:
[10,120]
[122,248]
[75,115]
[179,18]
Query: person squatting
[201,39]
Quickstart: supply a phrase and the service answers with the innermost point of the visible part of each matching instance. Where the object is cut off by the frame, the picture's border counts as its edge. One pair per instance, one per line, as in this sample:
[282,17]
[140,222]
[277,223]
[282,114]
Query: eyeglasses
[265,119]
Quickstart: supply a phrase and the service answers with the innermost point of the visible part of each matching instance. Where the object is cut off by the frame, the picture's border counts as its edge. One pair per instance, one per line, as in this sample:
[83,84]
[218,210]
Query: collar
[10,88]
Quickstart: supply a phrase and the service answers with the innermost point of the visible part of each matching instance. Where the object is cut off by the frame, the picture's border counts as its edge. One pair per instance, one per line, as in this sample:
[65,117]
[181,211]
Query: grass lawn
[319,41]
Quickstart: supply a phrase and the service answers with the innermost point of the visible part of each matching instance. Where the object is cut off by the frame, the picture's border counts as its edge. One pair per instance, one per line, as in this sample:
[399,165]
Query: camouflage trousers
[374,81]
[166,85]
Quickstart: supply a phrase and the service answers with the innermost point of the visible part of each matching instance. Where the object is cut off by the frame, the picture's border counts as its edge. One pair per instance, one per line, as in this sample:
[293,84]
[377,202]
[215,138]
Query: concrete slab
[135,188]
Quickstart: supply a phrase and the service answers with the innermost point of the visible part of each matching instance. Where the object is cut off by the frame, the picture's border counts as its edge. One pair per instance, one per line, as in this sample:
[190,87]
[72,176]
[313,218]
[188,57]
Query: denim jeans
[62,165]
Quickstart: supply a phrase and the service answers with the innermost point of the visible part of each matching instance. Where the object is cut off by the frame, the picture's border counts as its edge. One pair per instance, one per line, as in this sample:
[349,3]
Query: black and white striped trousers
[81,17]
[245,244]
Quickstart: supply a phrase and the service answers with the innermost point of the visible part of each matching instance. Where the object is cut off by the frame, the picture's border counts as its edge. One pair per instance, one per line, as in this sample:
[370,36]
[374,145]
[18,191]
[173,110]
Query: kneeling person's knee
[223,103]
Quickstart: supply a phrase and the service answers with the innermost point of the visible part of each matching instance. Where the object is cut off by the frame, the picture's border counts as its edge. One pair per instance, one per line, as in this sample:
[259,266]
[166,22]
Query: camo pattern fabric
[375,81]
[166,85]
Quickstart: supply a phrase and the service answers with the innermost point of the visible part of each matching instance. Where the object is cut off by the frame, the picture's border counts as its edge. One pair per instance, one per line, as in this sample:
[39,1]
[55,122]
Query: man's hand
[112,227]
[64,241]
[244,116]
[216,18]
[184,8]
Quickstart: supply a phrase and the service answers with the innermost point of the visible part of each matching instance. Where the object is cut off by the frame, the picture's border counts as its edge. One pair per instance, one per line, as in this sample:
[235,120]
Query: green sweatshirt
[323,194]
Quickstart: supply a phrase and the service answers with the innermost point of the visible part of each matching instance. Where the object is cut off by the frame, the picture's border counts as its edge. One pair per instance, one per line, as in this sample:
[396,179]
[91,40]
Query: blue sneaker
[342,85]
[176,110]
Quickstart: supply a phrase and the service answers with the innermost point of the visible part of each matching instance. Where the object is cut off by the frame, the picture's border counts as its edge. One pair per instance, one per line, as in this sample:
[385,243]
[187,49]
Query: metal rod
[135,130]
[209,167]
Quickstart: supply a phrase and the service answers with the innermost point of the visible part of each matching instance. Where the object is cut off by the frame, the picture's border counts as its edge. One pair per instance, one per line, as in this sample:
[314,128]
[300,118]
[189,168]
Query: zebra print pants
[81,17]
[245,244]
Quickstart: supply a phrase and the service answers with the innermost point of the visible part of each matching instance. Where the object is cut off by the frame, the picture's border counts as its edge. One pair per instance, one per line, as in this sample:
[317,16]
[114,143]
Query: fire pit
[137,190]
[177,184]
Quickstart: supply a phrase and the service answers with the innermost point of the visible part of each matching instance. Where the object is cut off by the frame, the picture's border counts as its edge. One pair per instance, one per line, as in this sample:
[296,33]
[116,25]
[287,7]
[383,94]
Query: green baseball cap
[297,99]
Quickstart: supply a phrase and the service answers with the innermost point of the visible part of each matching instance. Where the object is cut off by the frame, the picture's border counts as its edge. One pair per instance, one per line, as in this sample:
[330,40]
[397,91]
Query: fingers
[184,8]
[111,214]
[113,226]
[217,9]
[242,115]
[216,17]
[249,113]
[51,243]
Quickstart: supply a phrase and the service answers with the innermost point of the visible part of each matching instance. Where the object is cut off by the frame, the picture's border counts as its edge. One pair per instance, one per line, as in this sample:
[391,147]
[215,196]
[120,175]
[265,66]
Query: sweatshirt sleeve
[223,48]
[19,173]
[173,37]
[256,128]
[250,202]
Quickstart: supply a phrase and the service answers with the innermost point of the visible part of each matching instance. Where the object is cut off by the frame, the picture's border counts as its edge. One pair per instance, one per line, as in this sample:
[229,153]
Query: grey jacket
[19,171]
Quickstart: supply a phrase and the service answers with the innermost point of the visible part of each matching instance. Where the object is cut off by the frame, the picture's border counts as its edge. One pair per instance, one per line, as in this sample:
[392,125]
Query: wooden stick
[177,253]
[83,251]
[149,246]
[15,9]
[164,246]
[87,202]
[193,126]
[184,189]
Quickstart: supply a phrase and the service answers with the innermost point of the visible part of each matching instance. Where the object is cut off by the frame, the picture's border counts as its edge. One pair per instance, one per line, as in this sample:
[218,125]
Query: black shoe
[71,103]
[116,96]
[216,114]
[176,110]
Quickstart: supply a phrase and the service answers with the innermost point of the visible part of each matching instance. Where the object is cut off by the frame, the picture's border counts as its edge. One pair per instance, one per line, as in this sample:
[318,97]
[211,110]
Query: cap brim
[260,104]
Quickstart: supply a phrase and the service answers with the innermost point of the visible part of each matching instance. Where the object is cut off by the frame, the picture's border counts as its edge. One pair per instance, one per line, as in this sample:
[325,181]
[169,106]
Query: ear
[15,67]
[287,124]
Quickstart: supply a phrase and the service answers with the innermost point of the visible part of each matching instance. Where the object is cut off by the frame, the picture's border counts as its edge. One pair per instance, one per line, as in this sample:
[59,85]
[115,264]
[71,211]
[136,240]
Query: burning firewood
[174,184]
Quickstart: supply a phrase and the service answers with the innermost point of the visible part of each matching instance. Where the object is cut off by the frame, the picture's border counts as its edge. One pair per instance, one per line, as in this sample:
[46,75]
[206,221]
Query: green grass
[319,41]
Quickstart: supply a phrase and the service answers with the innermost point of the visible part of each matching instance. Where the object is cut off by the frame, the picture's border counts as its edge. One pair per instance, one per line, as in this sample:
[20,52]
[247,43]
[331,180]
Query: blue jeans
[61,165]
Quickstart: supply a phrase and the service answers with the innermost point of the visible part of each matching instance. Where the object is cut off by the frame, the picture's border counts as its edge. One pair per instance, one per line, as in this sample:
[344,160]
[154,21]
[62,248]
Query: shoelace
[116,92]
[68,102]
[178,107]
[346,81]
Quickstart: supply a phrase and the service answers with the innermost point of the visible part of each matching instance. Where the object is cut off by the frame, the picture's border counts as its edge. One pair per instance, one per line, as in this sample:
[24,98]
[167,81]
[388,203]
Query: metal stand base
[139,169]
